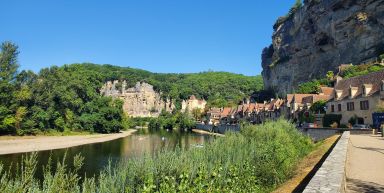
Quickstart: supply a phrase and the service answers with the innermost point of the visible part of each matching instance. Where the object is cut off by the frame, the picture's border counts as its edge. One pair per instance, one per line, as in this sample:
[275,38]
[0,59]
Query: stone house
[193,103]
[213,115]
[296,103]
[357,97]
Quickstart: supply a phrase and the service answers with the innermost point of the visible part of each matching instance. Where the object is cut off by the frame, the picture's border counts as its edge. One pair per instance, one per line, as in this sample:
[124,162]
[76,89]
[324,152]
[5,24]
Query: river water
[96,156]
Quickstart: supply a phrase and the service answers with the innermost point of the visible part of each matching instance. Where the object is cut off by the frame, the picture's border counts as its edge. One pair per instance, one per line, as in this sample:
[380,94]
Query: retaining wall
[330,178]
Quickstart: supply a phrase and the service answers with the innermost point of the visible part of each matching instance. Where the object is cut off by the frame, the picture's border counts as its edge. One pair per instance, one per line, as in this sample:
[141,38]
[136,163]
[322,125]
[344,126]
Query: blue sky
[155,35]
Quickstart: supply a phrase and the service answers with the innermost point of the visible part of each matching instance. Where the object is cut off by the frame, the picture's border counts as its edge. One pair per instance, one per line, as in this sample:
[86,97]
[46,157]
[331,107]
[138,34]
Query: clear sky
[155,35]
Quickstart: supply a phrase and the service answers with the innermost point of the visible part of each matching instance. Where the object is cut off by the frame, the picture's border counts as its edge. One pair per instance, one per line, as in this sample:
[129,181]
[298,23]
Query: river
[97,155]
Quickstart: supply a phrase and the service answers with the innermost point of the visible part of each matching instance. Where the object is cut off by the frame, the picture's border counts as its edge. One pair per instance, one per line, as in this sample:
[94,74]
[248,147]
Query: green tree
[8,72]
[319,107]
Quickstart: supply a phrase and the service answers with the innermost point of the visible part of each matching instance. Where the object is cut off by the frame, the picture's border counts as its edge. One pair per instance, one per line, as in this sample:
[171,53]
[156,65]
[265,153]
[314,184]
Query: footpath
[365,164]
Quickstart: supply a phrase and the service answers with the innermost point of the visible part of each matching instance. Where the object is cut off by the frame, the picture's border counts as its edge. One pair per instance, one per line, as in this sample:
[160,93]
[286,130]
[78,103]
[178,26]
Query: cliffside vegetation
[298,4]
[256,160]
[67,98]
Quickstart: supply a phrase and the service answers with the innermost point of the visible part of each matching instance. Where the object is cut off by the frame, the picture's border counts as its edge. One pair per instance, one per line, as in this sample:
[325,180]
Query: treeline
[67,98]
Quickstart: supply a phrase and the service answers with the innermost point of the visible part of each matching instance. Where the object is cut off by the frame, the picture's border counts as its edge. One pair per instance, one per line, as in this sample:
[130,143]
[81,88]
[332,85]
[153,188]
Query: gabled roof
[251,107]
[375,79]
[290,98]
[326,90]
[226,112]
[298,98]
[315,98]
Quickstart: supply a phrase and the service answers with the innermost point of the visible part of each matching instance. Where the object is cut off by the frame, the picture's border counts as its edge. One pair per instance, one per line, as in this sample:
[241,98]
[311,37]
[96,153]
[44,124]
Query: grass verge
[307,165]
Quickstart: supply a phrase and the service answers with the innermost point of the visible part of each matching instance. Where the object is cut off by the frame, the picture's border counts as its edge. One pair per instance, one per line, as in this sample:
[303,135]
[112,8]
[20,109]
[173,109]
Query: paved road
[365,164]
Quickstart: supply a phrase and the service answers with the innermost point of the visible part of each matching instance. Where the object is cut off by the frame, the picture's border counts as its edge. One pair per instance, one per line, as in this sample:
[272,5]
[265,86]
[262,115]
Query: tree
[330,75]
[196,113]
[8,72]
[319,107]
[8,61]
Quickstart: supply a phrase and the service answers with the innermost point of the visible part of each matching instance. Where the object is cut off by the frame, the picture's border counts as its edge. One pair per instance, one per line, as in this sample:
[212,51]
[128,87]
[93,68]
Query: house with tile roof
[213,115]
[357,97]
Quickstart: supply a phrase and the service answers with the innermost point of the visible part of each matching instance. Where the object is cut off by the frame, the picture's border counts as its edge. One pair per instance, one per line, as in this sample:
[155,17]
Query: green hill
[67,98]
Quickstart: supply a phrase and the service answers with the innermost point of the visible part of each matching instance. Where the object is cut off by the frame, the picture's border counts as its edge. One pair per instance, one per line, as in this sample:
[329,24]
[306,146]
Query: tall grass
[255,160]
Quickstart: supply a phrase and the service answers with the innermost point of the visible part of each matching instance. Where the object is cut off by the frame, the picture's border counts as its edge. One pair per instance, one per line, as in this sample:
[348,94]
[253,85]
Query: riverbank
[40,143]
[207,133]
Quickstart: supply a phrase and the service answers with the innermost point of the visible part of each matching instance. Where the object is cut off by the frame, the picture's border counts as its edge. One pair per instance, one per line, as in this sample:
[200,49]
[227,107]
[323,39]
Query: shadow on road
[354,185]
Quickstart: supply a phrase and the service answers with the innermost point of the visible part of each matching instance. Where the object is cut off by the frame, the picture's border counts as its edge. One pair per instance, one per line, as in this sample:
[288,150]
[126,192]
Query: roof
[290,98]
[298,98]
[214,110]
[375,79]
[326,90]
[251,107]
[315,98]
[226,112]
[192,97]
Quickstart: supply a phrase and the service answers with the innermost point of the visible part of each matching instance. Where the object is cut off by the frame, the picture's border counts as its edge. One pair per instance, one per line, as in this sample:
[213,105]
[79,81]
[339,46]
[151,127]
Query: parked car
[308,125]
[361,126]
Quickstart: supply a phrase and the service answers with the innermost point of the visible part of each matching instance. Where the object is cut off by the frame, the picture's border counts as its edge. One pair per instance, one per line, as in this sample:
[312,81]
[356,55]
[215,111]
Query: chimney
[338,79]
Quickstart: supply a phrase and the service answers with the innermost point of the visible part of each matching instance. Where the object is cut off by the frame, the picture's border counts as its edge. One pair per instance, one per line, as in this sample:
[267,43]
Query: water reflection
[97,156]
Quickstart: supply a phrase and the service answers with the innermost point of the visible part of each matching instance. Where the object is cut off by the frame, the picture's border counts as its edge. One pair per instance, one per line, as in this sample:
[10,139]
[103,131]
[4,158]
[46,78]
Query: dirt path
[365,164]
[39,143]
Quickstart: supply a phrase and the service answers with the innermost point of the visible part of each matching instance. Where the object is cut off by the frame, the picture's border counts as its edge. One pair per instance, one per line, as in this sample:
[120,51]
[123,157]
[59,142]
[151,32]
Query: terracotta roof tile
[226,112]
[298,98]
[326,90]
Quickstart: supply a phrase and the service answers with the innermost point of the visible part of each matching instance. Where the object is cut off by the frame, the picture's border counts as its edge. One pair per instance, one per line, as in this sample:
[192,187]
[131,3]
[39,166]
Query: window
[350,106]
[332,108]
[364,105]
[339,107]
[382,86]
[364,93]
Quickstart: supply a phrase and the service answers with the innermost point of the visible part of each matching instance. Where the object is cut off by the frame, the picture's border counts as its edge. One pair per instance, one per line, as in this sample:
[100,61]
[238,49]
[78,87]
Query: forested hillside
[219,88]
[67,98]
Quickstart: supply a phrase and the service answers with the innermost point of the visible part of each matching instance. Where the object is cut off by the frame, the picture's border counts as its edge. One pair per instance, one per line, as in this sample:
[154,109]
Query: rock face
[139,101]
[320,36]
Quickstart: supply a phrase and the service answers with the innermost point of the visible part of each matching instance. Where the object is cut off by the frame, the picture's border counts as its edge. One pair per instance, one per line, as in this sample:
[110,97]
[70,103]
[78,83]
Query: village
[351,103]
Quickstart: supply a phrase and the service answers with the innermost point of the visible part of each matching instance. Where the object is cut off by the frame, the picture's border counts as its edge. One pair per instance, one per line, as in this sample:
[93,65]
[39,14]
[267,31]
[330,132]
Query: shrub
[329,119]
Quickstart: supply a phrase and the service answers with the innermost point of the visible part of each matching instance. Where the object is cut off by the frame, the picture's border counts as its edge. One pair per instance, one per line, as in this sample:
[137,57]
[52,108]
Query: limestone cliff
[320,36]
[139,101]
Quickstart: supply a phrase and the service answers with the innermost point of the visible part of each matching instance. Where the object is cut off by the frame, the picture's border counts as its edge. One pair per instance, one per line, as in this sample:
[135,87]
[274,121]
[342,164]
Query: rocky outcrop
[139,101]
[320,36]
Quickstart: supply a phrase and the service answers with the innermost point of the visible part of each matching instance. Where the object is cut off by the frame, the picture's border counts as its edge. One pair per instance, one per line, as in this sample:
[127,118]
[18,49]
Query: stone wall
[317,134]
[330,178]
[139,101]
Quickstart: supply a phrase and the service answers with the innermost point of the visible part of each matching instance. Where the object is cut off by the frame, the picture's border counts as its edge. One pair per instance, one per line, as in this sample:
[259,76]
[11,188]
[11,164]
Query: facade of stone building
[357,97]
[193,103]
[139,101]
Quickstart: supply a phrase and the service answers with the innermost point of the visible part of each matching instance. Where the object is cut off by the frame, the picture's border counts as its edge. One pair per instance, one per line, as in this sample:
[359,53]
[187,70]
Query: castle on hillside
[139,101]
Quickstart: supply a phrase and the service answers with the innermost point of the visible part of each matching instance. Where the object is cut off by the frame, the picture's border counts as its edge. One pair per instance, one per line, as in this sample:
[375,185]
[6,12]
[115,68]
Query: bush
[330,119]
